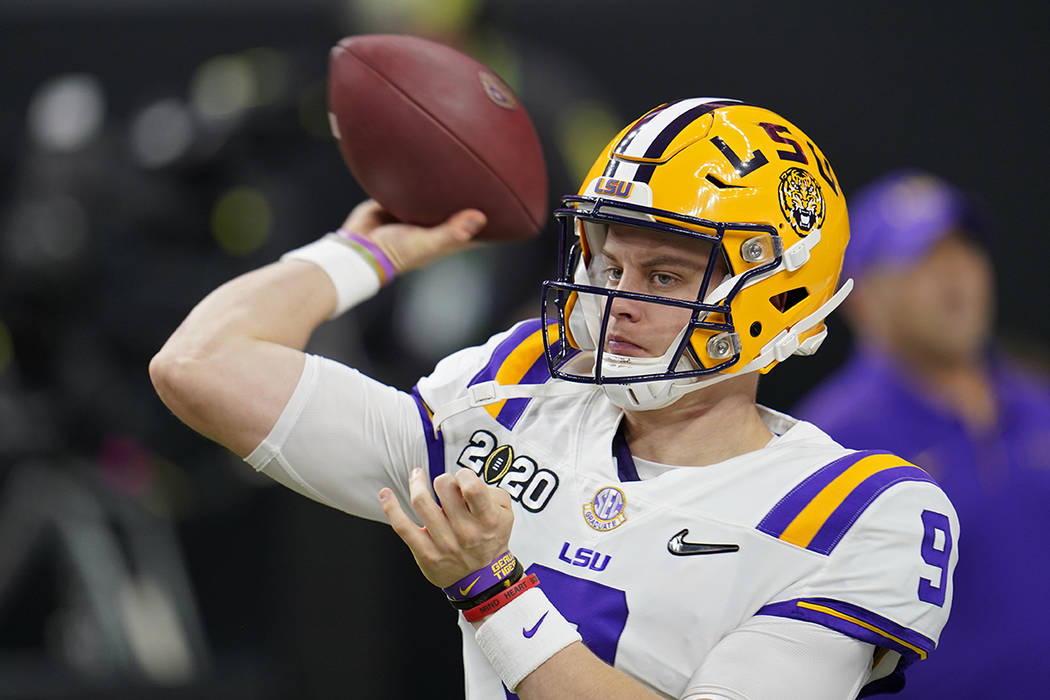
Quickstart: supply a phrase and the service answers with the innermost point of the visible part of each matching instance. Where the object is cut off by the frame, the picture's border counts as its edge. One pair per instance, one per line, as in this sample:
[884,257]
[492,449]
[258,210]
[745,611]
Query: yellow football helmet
[759,192]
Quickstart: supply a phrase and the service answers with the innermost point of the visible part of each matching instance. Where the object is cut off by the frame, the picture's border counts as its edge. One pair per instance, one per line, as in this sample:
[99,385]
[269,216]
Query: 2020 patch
[517,474]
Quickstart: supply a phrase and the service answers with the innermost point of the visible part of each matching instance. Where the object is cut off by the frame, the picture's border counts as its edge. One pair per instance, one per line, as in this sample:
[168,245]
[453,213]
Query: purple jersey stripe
[857,502]
[665,137]
[504,349]
[538,373]
[854,621]
[435,442]
[513,408]
[625,467]
[785,511]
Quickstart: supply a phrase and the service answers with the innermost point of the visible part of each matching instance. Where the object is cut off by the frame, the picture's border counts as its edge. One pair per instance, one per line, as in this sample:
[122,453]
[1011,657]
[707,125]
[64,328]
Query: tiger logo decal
[801,200]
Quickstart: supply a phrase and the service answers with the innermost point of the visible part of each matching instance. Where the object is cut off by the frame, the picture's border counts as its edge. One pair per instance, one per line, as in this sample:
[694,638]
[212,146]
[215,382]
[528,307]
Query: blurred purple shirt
[999,482]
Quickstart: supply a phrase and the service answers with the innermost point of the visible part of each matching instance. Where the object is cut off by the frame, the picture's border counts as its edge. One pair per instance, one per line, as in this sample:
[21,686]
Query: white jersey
[655,571]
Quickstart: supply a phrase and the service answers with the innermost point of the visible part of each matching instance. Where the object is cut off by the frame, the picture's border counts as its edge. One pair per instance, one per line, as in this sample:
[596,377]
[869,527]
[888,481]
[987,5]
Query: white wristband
[354,277]
[523,634]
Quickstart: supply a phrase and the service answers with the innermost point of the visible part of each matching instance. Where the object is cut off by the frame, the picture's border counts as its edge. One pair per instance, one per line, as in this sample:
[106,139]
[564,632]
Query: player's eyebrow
[662,261]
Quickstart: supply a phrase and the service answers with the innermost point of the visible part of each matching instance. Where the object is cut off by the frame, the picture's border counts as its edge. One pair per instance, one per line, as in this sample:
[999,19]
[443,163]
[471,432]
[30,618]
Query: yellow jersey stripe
[808,522]
[519,362]
[849,618]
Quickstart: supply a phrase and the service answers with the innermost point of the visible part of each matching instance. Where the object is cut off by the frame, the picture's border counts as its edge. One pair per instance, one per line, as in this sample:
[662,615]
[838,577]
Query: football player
[597,490]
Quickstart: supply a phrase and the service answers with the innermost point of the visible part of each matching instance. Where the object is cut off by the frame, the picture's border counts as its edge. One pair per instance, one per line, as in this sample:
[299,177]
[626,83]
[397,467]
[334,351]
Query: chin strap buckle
[798,255]
[483,394]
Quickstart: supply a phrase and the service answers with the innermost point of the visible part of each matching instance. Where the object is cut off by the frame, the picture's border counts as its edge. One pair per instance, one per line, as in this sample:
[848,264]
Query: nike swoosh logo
[679,547]
[527,633]
[464,591]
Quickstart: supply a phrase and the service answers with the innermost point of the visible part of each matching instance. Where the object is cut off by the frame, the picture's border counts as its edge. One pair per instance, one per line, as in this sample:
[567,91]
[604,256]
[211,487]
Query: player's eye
[662,279]
[613,274]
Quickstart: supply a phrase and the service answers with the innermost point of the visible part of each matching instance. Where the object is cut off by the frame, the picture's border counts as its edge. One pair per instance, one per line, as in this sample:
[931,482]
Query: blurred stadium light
[67,112]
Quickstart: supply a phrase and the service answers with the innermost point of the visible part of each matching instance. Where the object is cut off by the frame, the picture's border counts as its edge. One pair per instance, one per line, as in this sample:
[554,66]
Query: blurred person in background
[927,382]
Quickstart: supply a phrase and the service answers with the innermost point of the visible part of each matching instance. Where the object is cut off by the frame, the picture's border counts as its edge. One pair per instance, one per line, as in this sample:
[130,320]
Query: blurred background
[152,149]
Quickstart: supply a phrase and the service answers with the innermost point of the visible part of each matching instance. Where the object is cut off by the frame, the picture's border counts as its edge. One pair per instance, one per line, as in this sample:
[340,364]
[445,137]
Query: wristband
[522,635]
[354,272]
[371,252]
[500,599]
[483,580]
[515,576]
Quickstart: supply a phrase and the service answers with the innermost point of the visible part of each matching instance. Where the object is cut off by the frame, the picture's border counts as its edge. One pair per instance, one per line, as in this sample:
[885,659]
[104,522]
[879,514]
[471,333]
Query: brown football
[427,131]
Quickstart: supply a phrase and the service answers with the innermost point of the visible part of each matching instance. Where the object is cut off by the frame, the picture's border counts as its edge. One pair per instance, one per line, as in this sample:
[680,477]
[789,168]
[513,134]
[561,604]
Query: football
[427,131]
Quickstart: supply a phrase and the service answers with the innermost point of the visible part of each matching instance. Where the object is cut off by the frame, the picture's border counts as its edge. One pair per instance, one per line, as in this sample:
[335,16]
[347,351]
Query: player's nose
[624,308]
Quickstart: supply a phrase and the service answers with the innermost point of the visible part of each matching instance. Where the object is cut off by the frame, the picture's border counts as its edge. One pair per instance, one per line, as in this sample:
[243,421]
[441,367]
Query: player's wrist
[487,582]
[356,267]
[501,599]
[523,634]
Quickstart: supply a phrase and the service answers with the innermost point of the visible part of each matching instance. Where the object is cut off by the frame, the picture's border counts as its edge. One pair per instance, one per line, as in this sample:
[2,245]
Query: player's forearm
[229,368]
[575,672]
[281,303]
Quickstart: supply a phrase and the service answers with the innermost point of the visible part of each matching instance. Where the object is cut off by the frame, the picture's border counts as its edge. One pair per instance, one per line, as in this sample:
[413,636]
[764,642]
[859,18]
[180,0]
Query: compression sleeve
[342,437]
[770,658]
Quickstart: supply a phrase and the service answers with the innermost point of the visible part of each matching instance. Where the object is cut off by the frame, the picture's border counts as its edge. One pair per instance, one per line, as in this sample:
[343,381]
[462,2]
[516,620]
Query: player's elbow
[177,377]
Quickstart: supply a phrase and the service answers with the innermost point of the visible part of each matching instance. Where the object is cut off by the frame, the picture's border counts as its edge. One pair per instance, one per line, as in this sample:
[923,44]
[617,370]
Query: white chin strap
[649,396]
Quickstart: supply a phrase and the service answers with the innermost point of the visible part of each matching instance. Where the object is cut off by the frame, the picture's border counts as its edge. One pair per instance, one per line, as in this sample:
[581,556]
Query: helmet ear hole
[784,301]
[756,329]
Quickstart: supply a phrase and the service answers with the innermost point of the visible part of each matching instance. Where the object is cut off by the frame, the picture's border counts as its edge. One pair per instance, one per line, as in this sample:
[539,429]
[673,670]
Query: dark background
[294,600]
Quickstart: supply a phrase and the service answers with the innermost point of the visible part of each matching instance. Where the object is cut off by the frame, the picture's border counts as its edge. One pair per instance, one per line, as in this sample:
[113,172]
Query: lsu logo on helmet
[801,200]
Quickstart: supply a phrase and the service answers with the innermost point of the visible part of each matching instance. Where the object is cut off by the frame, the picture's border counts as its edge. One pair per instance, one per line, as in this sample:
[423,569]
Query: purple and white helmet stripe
[654,132]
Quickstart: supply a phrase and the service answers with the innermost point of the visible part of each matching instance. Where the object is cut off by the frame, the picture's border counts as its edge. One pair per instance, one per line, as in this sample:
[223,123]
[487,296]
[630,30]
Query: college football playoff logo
[801,200]
[518,474]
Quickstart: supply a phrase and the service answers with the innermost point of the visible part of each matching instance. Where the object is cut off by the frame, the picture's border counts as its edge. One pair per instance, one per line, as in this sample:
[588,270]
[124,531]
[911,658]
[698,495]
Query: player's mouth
[621,345]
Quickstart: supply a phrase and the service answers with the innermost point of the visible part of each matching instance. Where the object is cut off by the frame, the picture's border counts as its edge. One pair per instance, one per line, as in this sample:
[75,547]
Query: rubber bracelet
[483,579]
[500,599]
[384,268]
[354,277]
[492,592]
[522,635]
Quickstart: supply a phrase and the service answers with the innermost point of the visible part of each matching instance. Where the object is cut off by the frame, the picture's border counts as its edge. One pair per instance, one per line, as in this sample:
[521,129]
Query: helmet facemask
[688,330]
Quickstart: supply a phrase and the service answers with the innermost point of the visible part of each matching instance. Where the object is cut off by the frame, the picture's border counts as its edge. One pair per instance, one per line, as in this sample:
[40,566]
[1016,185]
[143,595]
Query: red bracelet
[493,604]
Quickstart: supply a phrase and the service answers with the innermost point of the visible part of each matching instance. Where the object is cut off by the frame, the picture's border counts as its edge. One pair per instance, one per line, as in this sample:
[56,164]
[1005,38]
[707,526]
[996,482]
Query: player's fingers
[447,489]
[455,234]
[462,226]
[429,512]
[412,535]
[484,502]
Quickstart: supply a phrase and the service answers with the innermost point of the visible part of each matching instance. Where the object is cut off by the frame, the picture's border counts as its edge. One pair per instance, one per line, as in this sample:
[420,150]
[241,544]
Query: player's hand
[408,246]
[466,532]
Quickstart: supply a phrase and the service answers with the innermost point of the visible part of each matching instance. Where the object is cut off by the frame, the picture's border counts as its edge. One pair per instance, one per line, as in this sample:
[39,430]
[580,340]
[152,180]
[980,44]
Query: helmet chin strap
[643,396]
[649,396]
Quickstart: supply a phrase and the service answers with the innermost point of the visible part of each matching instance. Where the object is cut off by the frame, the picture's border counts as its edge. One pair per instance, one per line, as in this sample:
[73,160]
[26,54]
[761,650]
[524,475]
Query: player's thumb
[464,225]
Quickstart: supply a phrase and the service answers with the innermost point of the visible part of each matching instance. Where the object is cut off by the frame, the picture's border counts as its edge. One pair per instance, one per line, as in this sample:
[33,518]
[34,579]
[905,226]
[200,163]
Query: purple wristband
[377,257]
[482,579]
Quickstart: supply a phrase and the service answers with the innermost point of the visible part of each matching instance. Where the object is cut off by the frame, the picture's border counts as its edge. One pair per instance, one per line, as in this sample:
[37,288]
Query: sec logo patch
[606,510]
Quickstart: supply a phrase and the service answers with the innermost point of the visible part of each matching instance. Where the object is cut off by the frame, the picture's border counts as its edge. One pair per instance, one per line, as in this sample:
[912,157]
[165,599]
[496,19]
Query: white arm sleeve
[770,658]
[341,437]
